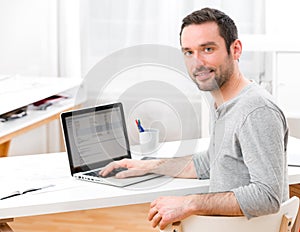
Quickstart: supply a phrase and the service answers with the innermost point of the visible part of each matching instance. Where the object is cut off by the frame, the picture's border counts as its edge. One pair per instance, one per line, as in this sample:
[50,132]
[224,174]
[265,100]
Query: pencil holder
[149,141]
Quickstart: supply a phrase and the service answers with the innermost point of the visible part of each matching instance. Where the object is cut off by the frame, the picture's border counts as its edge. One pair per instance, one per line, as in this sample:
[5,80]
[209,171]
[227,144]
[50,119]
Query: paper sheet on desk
[61,186]
[15,187]
[41,187]
[25,172]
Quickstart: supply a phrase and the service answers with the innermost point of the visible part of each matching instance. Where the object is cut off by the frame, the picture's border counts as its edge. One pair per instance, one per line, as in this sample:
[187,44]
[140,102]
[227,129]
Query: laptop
[94,137]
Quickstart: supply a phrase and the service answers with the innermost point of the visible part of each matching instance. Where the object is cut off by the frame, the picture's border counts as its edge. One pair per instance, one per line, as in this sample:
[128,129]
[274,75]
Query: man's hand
[182,167]
[134,168]
[165,210]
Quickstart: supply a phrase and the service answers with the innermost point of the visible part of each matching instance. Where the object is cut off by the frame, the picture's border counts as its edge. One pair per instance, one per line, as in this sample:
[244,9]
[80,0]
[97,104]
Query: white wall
[283,25]
[28,42]
[28,45]
[282,18]
[110,25]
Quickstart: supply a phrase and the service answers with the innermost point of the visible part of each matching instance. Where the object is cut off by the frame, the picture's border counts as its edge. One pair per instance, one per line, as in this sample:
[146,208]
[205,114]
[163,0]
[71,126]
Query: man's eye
[208,50]
[187,53]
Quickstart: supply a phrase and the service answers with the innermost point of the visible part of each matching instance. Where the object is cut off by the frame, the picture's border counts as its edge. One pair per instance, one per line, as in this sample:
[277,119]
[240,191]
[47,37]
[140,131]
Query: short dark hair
[227,27]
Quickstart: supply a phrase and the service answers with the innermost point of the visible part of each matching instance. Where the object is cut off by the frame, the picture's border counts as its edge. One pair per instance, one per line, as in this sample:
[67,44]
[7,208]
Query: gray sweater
[247,152]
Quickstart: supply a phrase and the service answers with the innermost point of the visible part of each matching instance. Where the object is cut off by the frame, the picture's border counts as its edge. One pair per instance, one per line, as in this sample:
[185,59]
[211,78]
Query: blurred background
[68,38]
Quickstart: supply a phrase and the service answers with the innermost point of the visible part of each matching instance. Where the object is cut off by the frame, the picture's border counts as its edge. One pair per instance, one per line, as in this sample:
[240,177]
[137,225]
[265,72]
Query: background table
[17,92]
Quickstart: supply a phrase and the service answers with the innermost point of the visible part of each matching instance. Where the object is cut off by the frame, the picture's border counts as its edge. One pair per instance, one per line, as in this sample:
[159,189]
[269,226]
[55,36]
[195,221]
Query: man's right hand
[134,167]
[182,167]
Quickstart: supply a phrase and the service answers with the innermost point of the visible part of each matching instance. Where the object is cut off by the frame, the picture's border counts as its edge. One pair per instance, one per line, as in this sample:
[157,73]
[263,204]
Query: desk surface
[69,194]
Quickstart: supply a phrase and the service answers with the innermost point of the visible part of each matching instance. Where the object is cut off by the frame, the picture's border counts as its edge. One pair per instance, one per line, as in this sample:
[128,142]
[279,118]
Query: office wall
[28,42]
[282,24]
[28,45]
[110,25]
[282,18]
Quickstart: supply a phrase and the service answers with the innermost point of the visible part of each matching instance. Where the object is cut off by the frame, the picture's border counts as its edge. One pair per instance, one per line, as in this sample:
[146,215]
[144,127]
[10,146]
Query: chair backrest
[267,223]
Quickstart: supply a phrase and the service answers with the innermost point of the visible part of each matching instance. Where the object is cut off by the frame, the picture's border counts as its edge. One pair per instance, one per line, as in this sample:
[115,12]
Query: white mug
[149,141]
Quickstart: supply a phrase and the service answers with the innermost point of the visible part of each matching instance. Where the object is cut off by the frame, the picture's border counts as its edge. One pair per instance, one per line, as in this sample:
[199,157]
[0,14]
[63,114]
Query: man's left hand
[165,210]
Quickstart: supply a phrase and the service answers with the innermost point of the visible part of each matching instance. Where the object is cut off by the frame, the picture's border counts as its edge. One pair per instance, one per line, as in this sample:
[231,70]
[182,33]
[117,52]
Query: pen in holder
[148,139]
[138,124]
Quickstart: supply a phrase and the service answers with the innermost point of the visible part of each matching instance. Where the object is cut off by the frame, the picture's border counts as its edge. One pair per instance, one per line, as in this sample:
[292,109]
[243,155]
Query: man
[246,159]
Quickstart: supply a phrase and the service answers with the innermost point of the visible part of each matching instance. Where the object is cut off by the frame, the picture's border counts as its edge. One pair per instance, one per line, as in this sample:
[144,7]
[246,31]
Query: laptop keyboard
[111,174]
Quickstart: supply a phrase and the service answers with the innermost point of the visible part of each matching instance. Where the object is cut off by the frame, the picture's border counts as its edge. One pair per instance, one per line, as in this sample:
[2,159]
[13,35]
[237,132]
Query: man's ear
[236,49]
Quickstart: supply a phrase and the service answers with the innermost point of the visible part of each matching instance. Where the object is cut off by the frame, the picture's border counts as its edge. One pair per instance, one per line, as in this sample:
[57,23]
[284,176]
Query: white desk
[18,91]
[70,194]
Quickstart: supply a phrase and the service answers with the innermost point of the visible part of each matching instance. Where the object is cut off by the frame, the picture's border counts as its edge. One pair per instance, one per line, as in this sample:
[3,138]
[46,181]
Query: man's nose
[197,60]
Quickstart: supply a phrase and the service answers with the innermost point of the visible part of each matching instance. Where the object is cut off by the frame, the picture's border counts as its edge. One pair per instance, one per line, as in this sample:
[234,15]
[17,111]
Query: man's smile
[203,75]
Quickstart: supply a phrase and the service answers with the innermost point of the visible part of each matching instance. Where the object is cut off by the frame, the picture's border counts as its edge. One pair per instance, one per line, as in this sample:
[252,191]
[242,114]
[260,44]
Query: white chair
[278,222]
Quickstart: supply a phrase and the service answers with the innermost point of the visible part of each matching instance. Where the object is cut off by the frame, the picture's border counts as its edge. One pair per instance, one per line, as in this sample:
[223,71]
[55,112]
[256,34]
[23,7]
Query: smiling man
[246,158]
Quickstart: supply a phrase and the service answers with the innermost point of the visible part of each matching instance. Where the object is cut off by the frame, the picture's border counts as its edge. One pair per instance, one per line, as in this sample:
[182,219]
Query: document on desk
[10,194]
[12,190]
[24,176]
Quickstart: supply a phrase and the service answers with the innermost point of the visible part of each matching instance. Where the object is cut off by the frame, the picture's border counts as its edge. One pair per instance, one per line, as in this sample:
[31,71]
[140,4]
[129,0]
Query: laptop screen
[95,136]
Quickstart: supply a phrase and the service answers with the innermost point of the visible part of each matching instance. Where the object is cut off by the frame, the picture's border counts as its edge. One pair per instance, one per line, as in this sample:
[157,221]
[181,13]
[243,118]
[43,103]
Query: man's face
[206,57]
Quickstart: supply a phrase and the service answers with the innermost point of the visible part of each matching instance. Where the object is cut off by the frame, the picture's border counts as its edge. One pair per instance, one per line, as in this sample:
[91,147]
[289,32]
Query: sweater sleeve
[201,162]
[261,138]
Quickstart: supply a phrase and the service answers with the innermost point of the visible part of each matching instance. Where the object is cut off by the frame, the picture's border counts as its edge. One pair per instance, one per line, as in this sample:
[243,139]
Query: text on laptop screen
[96,136]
